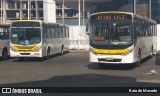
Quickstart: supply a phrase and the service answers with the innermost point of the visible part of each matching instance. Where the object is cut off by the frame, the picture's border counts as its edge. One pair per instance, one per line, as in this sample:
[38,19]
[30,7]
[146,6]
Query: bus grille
[28,48]
[25,47]
[105,60]
[25,53]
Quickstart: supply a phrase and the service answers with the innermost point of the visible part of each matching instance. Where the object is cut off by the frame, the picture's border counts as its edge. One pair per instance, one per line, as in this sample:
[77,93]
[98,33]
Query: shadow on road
[111,66]
[38,59]
[104,66]
[86,80]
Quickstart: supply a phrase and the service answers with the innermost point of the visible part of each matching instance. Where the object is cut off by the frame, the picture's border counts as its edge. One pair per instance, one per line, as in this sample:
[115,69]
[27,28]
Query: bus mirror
[88,33]
[87,30]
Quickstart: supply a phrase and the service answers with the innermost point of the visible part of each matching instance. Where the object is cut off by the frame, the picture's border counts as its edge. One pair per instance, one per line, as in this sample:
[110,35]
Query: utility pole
[150,7]
[134,8]
[83,12]
[79,3]
[1,11]
[63,12]
[28,10]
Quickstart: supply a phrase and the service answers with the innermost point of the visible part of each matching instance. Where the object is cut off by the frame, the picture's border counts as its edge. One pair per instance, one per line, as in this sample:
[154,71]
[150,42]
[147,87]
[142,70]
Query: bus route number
[99,38]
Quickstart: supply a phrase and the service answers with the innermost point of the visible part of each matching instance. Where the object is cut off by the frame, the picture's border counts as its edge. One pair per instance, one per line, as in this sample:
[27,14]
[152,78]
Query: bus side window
[4,33]
[8,33]
[52,32]
[44,33]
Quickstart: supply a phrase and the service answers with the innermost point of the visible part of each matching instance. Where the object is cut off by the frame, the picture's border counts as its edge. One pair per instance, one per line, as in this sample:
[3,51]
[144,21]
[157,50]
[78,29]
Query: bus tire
[101,65]
[48,53]
[151,52]
[21,59]
[138,63]
[62,49]
[4,54]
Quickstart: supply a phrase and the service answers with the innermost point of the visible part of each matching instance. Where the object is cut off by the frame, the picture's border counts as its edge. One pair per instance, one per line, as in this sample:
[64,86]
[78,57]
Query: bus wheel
[20,58]
[48,54]
[151,53]
[4,54]
[62,49]
[101,65]
[139,59]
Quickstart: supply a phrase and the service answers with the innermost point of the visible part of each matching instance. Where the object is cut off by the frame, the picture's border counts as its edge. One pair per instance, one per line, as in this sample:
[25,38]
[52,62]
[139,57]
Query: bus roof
[37,21]
[4,24]
[27,21]
[150,20]
[118,12]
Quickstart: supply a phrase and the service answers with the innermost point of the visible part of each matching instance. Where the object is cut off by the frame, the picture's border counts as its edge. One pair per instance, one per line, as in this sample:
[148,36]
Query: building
[73,9]
[155,10]
[75,12]
[146,8]
[83,8]
[27,10]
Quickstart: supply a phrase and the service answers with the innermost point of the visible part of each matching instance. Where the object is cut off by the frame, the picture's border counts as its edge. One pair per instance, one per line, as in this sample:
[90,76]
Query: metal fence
[78,38]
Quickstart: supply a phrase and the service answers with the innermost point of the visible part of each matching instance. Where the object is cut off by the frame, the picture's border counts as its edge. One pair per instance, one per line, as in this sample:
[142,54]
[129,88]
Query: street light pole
[150,7]
[28,10]
[1,11]
[79,2]
[63,12]
[83,12]
[134,6]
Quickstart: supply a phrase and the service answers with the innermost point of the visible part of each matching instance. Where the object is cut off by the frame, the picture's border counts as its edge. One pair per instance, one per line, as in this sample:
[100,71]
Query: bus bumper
[25,54]
[116,59]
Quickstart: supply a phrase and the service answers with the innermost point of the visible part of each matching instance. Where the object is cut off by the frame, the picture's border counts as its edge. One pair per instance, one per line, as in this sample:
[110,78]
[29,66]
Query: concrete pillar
[49,11]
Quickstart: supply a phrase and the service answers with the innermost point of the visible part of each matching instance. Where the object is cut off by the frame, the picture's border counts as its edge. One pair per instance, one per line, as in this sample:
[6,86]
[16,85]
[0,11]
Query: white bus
[120,37]
[34,38]
[4,40]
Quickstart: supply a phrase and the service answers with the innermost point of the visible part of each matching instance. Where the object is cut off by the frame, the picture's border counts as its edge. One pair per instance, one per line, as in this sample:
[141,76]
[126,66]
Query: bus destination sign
[112,17]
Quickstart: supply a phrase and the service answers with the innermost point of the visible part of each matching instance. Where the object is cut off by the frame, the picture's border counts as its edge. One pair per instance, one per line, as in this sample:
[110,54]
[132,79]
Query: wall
[74,21]
[78,39]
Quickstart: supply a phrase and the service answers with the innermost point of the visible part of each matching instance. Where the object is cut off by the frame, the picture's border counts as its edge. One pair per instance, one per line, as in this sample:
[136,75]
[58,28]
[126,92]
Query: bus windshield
[111,33]
[25,36]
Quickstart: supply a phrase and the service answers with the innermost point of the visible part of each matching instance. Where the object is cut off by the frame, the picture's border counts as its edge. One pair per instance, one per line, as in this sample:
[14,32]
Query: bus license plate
[109,58]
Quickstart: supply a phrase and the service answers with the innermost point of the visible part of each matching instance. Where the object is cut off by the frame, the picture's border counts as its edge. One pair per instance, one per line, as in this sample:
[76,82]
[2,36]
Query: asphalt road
[74,70]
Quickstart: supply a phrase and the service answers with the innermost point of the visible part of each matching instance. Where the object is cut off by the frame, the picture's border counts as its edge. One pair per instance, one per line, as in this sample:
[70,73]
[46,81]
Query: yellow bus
[120,37]
[34,38]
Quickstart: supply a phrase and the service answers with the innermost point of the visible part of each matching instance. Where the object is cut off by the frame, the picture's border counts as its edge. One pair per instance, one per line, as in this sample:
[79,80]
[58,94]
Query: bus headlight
[37,49]
[129,51]
[14,50]
[95,53]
